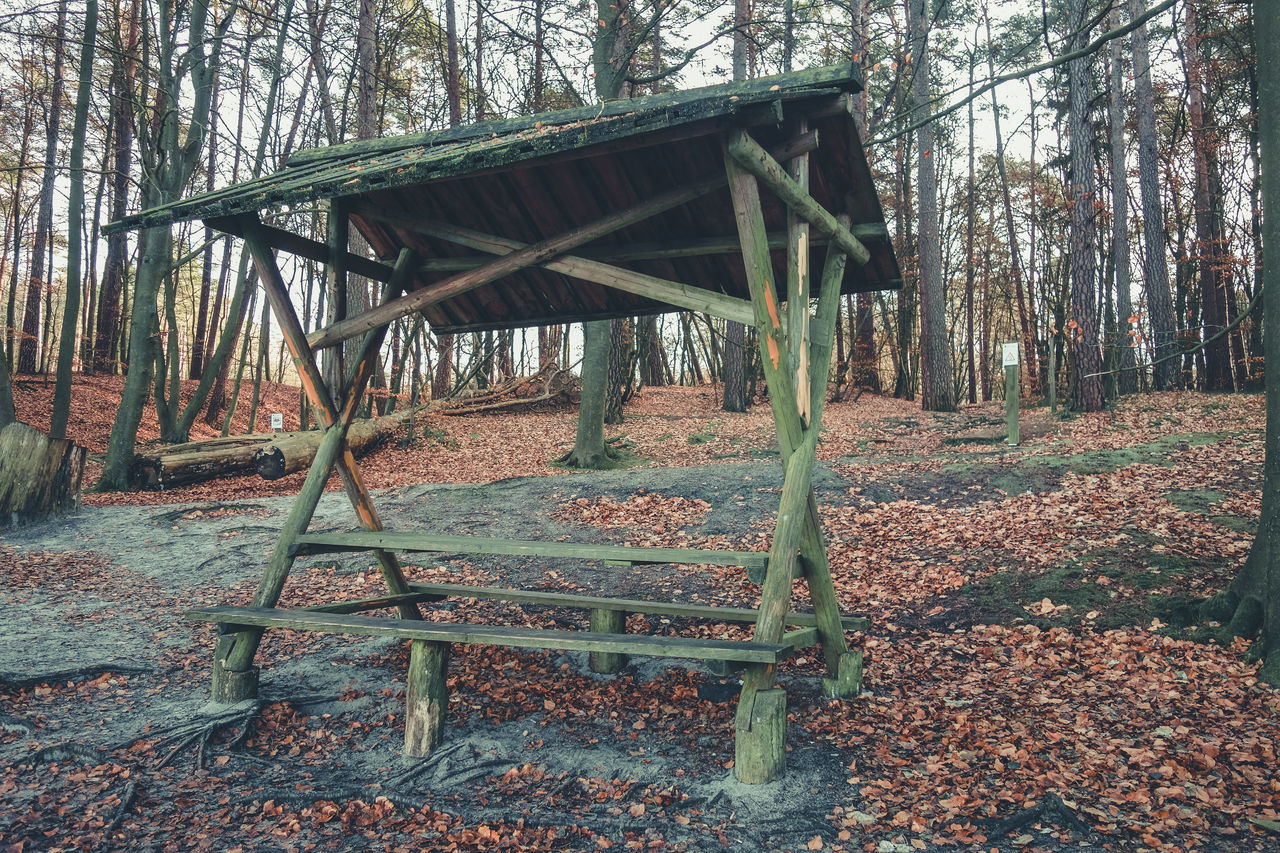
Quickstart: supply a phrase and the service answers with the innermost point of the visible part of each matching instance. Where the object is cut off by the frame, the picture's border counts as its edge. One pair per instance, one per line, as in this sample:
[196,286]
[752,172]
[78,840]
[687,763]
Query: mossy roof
[533,177]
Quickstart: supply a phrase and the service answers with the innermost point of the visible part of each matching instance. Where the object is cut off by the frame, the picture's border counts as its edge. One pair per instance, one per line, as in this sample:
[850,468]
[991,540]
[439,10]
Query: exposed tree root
[1050,808]
[15,725]
[13,681]
[179,737]
[126,802]
[60,752]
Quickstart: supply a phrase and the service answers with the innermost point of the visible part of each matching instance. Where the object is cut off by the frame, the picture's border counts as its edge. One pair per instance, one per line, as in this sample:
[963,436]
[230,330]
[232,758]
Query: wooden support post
[426,697]
[748,154]
[338,239]
[798,287]
[760,742]
[234,654]
[608,622]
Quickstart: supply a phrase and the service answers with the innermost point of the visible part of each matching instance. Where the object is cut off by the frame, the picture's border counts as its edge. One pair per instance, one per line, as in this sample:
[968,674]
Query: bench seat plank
[365,540]
[659,608]
[233,618]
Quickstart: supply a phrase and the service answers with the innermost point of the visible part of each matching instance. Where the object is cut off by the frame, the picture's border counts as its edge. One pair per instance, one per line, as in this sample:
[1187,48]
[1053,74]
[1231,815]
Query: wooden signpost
[1009,357]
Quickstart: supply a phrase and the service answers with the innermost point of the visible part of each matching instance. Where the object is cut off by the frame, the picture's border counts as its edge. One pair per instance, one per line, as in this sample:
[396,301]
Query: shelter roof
[532,178]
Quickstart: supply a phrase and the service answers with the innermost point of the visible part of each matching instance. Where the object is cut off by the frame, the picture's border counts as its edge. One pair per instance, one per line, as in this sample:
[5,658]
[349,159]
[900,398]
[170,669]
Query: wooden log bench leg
[760,736]
[426,697]
[847,681]
[608,622]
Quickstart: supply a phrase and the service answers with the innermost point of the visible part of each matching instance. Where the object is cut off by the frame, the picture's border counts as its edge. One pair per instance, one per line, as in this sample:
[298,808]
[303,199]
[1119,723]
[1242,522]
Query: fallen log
[198,461]
[292,452]
[550,385]
[39,477]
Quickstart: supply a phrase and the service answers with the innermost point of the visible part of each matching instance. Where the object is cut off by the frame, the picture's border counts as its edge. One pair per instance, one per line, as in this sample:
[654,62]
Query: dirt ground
[1028,647]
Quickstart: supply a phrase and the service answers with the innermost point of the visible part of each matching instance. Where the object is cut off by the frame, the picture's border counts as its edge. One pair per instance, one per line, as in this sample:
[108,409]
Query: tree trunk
[1128,379]
[75,214]
[27,349]
[1213,268]
[1086,363]
[111,291]
[39,476]
[936,385]
[589,450]
[1251,603]
[735,372]
[1156,268]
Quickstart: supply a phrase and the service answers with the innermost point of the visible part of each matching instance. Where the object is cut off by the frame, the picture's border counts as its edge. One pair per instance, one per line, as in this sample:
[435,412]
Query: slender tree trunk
[36,284]
[936,384]
[971,214]
[75,212]
[1128,379]
[111,292]
[1015,254]
[1156,267]
[17,232]
[200,347]
[1209,231]
[1086,363]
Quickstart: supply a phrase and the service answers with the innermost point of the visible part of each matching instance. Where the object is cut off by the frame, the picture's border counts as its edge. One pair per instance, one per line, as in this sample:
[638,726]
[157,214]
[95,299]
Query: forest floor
[1027,645]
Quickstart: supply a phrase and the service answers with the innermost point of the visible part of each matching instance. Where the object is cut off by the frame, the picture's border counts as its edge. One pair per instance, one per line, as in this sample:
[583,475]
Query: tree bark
[1251,603]
[75,214]
[937,389]
[1086,363]
[27,348]
[1128,379]
[1156,268]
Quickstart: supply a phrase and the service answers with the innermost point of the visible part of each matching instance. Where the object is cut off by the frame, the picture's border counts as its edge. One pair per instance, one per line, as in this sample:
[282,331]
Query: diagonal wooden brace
[235,652]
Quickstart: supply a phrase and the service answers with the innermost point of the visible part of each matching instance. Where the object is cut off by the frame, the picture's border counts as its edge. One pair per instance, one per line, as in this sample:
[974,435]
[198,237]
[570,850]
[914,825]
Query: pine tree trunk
[1128,379]
[1159,302]
[111,292]
[1251,603]
[1086,362]
[1213,271]
[936,384]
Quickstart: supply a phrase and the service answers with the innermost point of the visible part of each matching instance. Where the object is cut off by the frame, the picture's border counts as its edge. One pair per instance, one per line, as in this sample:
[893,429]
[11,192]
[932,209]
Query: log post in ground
[39,477]
[608,622]
[426,697]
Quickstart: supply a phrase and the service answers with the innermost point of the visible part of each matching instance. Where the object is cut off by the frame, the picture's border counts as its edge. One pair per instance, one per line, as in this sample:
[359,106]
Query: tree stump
[39,477]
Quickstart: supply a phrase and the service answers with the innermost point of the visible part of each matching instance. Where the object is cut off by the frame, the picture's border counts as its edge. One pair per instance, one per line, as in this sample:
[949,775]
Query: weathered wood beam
[618,278]
[661,251]
[531,255]
[798,287]
[504,265]
[438,591]
[304,247]
[426,697]
[235,652]
[748,154]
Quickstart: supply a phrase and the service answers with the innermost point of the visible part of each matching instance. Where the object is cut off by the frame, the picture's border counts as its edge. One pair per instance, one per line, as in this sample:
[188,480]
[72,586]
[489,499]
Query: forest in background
[1100,206]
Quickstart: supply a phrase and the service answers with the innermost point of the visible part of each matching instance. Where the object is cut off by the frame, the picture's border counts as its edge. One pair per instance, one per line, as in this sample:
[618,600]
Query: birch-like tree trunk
[36,284]
[1128,379]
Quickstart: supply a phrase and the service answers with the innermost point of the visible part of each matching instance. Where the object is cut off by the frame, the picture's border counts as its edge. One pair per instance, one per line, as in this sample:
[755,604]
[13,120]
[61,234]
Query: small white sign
[277,420]
[1010,353]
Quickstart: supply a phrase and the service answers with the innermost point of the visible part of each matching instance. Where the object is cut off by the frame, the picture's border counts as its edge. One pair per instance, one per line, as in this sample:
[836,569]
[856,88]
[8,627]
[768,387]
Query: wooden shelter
[626,208]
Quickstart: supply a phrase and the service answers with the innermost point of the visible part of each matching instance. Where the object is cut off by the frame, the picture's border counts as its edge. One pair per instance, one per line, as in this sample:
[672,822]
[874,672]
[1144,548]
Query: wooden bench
[426,696]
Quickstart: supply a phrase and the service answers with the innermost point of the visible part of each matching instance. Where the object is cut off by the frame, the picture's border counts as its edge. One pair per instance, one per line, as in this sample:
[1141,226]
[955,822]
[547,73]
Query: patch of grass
[953,440]
[1042,474]
[1125,587]
[702,437]
[663,437]
[1204,501]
